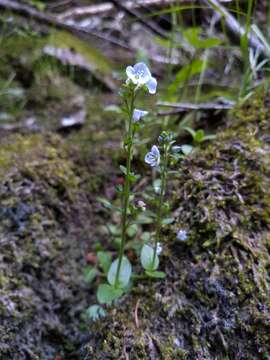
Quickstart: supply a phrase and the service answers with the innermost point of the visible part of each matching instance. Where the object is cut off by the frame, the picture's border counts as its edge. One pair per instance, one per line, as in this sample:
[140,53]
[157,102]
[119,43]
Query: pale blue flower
[182,235]
[140,75]
[138,114]
[159,249]
[152,85]
[153,157]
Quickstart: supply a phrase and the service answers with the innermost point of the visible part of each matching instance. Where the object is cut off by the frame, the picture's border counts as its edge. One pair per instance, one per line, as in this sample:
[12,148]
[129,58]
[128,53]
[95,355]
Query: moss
[42,207]
[215,300]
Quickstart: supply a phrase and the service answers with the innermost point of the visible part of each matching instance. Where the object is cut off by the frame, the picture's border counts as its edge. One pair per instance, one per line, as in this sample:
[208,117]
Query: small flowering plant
[159,157]
[118,272]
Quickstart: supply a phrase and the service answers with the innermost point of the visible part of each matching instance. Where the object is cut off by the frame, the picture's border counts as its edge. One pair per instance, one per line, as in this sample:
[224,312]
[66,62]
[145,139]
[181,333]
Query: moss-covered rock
[214,302]
[44,215]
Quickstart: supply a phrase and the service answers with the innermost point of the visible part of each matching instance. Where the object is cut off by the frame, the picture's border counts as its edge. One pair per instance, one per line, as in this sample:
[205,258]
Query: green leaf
[104,260]
[113,108]
[167,221]
[123,169]
[144,218]
[185,74]
[146,236]
[173,172]
[124,273]
[192,36]
[208,243]
[156,274]
[132,230]
[14,92]
[119,188]
[95,312]
[90,273]
[113,229]
[106,294]
[108,205]
[147,255]
[186,149]
[209,137]
[190,131]
[157,185]
[199,136]
[38,4]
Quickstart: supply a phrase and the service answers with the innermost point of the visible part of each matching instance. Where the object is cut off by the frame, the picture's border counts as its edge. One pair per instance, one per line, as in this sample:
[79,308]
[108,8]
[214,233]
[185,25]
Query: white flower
[159,249]
[182,235]
[138,114]
[140,75]
[153,157]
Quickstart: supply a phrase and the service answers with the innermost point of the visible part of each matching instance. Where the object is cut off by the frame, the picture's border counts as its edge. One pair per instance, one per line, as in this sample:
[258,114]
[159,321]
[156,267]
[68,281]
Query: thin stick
[184,107]
[149,24]
[107,7]
[51,20]
[136,318]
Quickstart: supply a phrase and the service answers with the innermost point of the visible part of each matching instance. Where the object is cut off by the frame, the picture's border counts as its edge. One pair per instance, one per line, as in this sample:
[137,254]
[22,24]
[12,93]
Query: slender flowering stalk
[164,170]
[139,77]
[120,270]
[126,192]
[169,156]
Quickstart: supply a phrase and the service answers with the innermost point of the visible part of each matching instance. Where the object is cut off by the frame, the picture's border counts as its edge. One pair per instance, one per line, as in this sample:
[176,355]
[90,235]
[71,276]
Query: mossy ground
[214,302]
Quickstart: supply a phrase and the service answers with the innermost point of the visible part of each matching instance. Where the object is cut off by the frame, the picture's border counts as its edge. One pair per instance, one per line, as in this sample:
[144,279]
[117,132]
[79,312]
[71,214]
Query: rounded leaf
[124,273]
[104,260]
[147,255]
[106,294]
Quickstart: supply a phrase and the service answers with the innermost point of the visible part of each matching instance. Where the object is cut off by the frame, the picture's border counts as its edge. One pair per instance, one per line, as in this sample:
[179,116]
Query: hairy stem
[126,191]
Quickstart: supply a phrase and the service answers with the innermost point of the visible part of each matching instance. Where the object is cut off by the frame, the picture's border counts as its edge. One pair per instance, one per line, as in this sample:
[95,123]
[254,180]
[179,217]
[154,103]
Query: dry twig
[184,107]
[136,314]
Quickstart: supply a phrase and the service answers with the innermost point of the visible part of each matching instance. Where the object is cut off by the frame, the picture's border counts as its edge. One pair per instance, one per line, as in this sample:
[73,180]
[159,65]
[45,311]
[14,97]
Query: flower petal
[182,235]
[130,71]
[159,248]
[152,85]
[142,72]
[149,158]
[131,74]
[155,150]
[138,114]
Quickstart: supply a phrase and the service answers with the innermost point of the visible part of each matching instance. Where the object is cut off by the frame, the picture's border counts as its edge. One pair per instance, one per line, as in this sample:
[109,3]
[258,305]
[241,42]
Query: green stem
[126,191]
[160,203]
